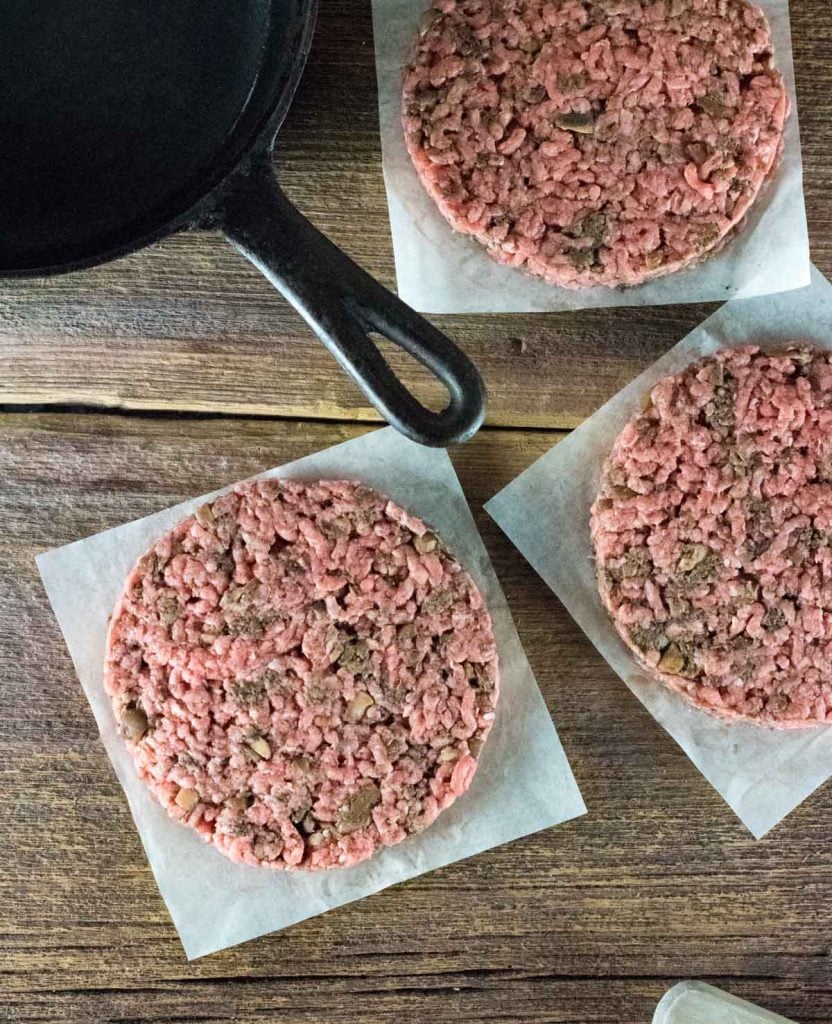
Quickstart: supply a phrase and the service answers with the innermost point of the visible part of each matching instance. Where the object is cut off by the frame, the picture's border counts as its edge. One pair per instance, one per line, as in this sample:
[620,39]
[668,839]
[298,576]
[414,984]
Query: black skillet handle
[343,305]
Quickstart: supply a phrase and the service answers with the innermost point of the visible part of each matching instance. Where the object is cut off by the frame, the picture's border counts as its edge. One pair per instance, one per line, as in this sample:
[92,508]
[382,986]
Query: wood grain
[188,324]
[584,924]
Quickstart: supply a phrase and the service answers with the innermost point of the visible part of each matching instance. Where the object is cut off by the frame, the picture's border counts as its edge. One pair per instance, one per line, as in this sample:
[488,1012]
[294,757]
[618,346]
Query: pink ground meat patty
[713,535]
[302,673]
[602,142]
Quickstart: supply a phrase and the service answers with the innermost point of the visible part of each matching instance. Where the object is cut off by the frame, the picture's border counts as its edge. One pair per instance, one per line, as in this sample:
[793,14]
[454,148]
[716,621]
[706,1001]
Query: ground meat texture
[303,673]
[603,142]
[713,535]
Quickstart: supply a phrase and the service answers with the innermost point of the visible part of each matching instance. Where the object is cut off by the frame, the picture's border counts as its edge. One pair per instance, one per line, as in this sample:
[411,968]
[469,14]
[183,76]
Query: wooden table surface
[130,387]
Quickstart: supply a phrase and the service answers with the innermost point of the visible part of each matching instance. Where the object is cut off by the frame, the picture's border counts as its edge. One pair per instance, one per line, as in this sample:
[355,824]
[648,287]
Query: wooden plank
[190,325]
[584,924]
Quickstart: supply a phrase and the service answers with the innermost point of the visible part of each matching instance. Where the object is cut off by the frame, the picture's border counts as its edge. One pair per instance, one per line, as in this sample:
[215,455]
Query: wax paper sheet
[763,774]
[523,784]
[439,271]
[694,1002]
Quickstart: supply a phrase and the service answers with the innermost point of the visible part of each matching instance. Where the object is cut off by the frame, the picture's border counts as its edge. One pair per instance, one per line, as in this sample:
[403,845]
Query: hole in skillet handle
[343,305]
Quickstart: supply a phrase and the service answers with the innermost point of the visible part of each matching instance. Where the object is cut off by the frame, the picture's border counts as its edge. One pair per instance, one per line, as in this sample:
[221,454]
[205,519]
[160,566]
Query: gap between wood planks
[455,981]
[134,412]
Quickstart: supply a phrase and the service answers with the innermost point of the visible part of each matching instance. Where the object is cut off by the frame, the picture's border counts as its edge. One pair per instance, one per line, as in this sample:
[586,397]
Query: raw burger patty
[712,534]
[302,673]
[595,143]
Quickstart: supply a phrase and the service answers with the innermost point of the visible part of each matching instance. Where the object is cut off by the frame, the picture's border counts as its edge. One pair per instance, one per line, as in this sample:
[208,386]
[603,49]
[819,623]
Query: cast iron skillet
[124,120]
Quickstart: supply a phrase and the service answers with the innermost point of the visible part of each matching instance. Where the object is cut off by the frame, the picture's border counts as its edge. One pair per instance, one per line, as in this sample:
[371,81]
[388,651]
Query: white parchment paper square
[694,1002]
[440,271]
[763,774]
[523,784]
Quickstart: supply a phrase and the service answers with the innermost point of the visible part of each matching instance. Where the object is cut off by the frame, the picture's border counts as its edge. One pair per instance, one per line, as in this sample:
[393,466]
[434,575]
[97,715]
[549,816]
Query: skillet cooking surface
[117,115]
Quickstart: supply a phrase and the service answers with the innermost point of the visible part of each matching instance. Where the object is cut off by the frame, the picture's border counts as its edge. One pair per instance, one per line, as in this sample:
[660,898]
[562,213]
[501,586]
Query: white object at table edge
[694,1002]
